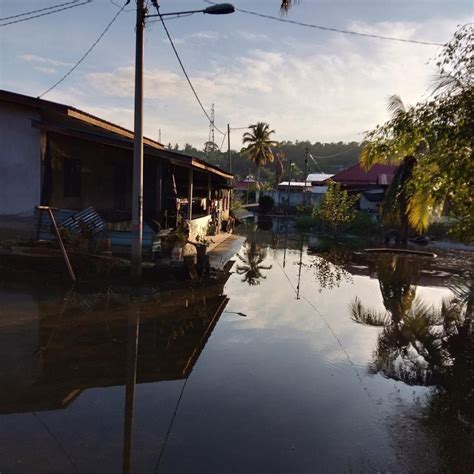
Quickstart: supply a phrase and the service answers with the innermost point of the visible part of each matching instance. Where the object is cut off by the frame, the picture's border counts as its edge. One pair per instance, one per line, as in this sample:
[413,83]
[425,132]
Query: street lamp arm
[218,9]
[190,12]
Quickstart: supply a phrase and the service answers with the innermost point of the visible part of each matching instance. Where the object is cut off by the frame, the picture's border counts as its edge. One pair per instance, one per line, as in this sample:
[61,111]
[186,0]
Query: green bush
[364,224]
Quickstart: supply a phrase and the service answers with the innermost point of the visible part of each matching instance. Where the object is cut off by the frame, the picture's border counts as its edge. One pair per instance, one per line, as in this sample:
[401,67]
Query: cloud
[44,65]
[326,90]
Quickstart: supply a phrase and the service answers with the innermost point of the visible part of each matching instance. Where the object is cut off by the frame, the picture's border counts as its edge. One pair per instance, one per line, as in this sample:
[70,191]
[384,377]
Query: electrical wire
[331,330]
[61,447]
[316,163]
[127,10]
[337,154]
[68,73]
[336,30]
[85,2]
[184,71]
[222,144]
[170,426]
[37,11]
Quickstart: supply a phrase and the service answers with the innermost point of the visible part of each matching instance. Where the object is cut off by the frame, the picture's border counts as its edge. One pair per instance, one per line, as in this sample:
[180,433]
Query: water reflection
[328,261]
[81,342]
[251,257]
[61,345]
[414,343]
[425,345]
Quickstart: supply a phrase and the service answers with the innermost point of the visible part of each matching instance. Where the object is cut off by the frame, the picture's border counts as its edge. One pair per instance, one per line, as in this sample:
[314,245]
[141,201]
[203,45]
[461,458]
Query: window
[72,178]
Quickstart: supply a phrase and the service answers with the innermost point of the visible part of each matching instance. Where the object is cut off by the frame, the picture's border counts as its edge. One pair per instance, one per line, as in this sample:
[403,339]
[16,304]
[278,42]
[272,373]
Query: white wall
[20,160]
[198,227]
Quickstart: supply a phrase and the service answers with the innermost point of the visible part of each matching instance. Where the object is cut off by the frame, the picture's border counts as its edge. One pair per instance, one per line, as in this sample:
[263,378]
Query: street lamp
[137,191]
[217,9]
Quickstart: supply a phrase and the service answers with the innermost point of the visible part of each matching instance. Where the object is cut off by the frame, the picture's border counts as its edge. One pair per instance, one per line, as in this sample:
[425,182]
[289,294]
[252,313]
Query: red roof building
[356,178]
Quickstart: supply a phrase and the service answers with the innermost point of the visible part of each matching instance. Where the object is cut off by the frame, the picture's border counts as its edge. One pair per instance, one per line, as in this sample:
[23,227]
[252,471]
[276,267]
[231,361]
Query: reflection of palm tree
[252,268]
[412,345]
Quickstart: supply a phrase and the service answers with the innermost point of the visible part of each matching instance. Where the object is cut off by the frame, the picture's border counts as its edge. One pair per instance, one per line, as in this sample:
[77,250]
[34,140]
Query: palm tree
[259,145]
[400,201]
[252,259]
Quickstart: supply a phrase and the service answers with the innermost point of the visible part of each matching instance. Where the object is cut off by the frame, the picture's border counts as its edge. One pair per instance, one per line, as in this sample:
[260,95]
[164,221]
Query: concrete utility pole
[228,149]
[137,191]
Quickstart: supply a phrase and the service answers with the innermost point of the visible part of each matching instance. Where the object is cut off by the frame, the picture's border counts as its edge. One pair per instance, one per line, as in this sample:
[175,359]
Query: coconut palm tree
[252,259]
[412,346]
[259,145]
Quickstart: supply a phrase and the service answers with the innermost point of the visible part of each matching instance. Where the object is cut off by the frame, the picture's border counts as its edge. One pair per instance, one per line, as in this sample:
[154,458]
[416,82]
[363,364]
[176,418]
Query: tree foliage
[259,143]
[336,209]
[438,132]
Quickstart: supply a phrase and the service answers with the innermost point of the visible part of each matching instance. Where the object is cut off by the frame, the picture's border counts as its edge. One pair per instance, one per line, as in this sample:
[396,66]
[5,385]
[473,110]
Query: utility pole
[137,191]
[305,174]
[228,148]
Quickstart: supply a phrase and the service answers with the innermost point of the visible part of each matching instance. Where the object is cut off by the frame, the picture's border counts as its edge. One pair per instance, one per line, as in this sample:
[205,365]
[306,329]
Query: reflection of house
[53,354]
[56,155]
[370,184]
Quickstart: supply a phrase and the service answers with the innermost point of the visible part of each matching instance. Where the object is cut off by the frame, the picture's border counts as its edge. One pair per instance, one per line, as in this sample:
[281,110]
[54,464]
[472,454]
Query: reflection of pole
[131,380]
[288,187]
[286,241]
[305,175]
[300,265]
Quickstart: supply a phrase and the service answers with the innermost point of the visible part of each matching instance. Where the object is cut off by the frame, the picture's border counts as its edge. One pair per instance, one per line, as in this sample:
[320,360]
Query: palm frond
[369,317]
[395,105]
[420,208]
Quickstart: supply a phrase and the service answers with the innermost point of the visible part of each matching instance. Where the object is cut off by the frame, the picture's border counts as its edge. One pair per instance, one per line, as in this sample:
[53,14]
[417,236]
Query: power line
[316,163]
[37,11]
[336,30]
[329,327]
[61,447]
[222,144]
[75,4]
[68,73]
[337,154]
[184,70]
[170,426]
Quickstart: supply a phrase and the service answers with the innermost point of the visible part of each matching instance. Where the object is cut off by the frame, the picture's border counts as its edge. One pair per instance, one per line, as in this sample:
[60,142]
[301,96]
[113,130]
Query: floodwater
[298,361]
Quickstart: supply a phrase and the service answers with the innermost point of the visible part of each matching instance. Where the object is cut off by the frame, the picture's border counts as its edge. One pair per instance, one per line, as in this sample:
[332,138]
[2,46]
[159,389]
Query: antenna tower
[211,126]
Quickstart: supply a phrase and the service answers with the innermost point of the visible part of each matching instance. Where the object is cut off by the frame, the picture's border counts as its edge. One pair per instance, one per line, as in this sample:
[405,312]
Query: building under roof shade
[56,155]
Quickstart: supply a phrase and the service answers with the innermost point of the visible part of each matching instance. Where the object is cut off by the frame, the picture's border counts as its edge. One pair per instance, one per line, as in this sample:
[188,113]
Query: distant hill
[328,158]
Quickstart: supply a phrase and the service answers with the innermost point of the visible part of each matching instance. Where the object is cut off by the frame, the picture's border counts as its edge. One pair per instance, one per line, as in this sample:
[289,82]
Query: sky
[308,84]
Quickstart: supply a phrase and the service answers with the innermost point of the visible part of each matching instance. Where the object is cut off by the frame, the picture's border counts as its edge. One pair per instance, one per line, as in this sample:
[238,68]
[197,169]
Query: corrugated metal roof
[318,177]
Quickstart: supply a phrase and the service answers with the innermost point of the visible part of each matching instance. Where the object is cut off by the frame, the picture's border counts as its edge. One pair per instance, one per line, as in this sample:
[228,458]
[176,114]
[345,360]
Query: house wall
[98,167]
[198,227]
[20,160]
